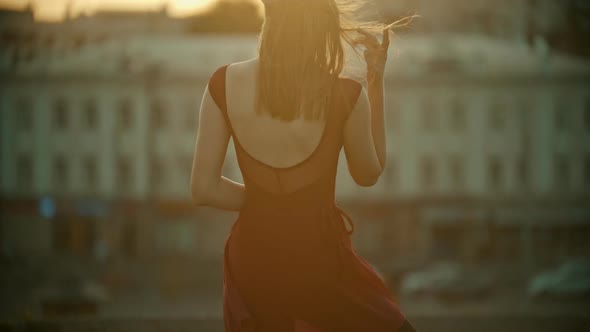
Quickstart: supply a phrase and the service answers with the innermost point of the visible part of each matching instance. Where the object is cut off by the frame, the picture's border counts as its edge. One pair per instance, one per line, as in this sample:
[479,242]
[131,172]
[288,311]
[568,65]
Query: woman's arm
[208,186]
[376,58]
[364,131]
[375,92]
[359,144]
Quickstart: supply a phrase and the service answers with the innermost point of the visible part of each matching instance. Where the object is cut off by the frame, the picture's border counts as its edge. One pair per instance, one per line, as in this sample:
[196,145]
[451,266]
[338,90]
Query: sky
[54,10]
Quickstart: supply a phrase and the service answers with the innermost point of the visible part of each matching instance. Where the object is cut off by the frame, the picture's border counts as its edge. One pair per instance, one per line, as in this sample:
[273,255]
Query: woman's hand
[375,54]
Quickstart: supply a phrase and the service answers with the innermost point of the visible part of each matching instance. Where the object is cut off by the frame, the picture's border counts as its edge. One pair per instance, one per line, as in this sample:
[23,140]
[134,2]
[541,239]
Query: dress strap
[217,88]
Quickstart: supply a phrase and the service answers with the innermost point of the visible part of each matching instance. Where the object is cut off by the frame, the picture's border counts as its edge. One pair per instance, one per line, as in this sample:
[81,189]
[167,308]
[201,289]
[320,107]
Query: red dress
[289,262]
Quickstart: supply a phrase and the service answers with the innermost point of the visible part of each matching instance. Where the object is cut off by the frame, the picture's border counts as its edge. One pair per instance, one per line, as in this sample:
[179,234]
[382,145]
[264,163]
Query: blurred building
[503,19]
[117,23]
[100,142]
[564,25]
[488,153]
[26,42]
[489,150]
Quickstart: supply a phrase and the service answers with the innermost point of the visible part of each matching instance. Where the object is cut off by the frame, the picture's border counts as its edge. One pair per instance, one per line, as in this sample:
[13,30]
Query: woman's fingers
[375,52]
[371,42]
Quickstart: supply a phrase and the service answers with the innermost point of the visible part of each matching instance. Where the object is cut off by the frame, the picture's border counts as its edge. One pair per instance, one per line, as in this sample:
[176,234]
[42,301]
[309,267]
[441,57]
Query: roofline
[8,79]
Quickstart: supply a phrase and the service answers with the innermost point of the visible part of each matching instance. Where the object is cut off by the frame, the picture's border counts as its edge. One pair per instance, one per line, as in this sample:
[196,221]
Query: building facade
[488,147]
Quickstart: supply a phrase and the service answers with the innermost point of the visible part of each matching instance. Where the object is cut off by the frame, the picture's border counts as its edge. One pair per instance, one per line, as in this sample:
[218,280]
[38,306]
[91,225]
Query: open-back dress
[289,262]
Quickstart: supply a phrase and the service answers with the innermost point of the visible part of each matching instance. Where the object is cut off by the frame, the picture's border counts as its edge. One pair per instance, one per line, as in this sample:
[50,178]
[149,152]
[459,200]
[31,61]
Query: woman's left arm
[208,186]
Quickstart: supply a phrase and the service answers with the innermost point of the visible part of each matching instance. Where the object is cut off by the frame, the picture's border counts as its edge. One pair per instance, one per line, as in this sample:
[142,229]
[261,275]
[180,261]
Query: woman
[289,262]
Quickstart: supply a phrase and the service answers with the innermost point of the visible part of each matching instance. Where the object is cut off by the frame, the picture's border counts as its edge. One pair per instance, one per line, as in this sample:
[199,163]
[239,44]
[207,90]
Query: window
[523,119]
[522,172]
[91,114]
[457,171]
[560,119]
[429,117]
[60,114]
[24,173]
[427,173]
[560,116]
[24,114]
[561,172]
[156,173]
[495,173]
[458,116]
[60,172]
[129,238]
[91,173]
[124,175]
[125,114]
[497,116]
[158,114]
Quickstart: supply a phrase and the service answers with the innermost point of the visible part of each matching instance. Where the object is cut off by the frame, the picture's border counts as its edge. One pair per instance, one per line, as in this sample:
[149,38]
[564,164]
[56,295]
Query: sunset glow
[54,10]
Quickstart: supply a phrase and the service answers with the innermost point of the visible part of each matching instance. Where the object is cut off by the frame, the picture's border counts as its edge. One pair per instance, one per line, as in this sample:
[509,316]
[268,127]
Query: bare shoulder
[244,68]
[241,87]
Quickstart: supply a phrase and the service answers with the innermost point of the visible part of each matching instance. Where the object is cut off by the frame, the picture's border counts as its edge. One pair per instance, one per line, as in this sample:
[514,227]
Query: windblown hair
[301,54]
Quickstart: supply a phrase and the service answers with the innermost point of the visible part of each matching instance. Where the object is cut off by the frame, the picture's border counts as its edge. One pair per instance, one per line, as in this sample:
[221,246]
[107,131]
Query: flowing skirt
[300,273]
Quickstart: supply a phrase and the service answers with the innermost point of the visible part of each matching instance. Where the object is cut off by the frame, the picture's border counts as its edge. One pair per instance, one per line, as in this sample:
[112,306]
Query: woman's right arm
[365,141]
[360,143]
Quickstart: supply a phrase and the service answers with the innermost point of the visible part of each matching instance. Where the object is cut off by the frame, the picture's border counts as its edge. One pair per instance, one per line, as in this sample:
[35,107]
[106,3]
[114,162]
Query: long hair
[301,54]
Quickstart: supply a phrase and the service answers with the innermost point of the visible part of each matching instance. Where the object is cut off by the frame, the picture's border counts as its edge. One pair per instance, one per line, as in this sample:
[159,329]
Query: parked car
[447,281]
[569,280]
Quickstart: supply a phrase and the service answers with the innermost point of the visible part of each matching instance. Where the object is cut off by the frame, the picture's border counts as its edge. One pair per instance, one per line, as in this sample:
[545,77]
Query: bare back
[277,143]
[281,157]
